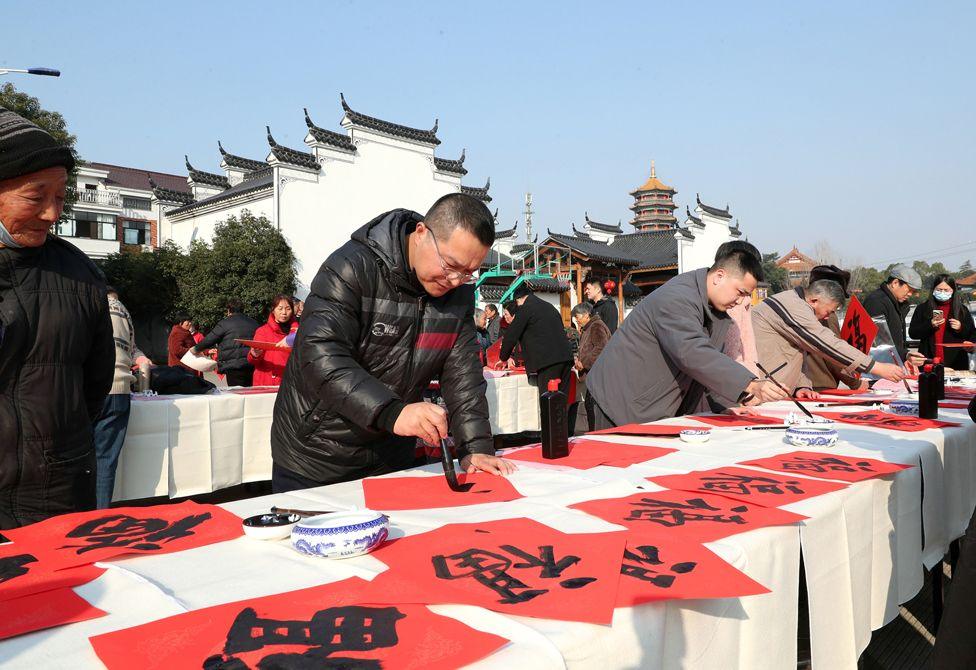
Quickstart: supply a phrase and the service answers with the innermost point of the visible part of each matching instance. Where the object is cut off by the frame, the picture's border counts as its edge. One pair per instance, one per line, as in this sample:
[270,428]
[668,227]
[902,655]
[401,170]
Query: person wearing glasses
[388,311]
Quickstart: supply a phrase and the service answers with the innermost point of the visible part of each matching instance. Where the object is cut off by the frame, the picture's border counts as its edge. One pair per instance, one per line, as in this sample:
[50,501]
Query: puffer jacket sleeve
[463,389]
[327,343]
[99,367]
[211,339]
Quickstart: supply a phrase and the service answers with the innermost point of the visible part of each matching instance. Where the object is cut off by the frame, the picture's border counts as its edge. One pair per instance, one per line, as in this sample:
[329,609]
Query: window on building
[91,187]
[136,203]
[89,224]
[135,232]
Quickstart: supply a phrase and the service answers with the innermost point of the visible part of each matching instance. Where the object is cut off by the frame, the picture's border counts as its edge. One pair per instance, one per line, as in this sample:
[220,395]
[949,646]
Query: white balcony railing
[105,198]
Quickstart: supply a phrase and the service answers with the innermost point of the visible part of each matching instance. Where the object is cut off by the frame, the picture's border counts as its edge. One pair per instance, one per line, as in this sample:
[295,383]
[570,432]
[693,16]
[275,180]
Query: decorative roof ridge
[603,227]
[390,128]
[205,178]
[714,211]
[291,156]
[330,137]
[233,160]
[168,194]
[450,165]
[476,192]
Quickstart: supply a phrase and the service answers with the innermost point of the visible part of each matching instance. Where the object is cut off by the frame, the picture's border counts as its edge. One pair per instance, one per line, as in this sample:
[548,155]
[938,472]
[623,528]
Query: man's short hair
[234,306]
[582,309]
[521,292]
[739,262]
[737,245]
[491,307]
[826,289]
[459,210]
[593,281]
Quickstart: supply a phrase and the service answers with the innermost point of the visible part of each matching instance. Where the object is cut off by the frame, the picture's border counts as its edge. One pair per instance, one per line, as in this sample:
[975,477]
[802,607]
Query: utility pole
[528,217]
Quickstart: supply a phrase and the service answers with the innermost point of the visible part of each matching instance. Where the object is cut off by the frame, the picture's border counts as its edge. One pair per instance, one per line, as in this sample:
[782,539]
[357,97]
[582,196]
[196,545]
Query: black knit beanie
[25,148]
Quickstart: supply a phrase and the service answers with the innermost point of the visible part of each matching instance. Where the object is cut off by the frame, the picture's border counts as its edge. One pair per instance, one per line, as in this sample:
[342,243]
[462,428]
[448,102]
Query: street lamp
[44,71]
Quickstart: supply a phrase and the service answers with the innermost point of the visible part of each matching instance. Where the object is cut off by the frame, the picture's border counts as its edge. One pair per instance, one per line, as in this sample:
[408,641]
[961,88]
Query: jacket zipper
[418,324]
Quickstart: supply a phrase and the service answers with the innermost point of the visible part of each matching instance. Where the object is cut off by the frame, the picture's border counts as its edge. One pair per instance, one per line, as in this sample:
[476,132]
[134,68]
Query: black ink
[671,514]
[826,465]
[12,567]
[747,485]
[119,530]
[636,565]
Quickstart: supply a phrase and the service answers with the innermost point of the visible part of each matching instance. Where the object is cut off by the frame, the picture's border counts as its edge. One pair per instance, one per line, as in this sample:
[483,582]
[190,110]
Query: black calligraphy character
[12,567]
[826,464]
[648,555]
[332,630]
[745,485]
[671,514]
[120,530]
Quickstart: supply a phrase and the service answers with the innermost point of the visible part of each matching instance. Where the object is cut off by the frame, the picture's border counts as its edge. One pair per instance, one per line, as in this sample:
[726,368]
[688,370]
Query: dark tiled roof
[239,162]
[167,194]
[256,184]
[684,232]
[494,258]
[547,285]
[521,248]
[714,211]
[602,226]
[333,139]
[504,234]
[735,231]
[597,251]
[492,292]
[291,156]
[632,290]
[579,233]
[479,193]
[205,178]
[447,165]
[415,134]
[126,177]
[691,216]
[654,248]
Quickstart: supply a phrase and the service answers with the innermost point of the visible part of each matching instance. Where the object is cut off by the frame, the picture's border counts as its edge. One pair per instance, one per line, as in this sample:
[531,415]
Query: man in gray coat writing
[666,358]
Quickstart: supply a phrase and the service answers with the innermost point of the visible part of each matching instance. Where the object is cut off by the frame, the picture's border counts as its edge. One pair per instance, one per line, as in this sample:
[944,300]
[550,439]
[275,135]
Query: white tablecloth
[862,547]
[191,444]
[513,405]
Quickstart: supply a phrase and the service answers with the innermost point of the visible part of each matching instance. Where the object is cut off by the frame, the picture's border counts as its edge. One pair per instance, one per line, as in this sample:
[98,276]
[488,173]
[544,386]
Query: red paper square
[585,454]
[761,488]
[878,419]
[313,627]
[859,330]
[686,516]
[22,574]
[723,420]
[406,493]
[657,568]
[827,466]
[645,429]
[79,538]
[517,566]
[44,610]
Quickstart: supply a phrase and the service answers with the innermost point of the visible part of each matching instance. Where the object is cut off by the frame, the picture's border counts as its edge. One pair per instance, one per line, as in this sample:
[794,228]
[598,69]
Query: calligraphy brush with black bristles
[796,402]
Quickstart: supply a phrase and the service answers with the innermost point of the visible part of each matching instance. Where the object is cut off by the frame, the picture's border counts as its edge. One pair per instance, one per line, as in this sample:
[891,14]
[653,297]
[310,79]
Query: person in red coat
[270,365]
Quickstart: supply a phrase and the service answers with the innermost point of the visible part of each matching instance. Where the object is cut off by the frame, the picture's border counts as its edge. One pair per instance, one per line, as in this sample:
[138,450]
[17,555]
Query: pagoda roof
[258,183]
[205,178]
[603,227]
[239,162]
[291,156]
[802,260]
[167,194]
[479,193]
[388,128]
[336,140]
[714,211]
[448,165]
[653,184]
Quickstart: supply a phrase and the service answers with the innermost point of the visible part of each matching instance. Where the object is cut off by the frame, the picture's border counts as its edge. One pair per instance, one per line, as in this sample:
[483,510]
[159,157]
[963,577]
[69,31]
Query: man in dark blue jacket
[231,355]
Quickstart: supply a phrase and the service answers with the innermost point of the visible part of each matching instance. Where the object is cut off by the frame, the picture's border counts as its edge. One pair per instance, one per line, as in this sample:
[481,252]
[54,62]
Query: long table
[186,445]
[862,548]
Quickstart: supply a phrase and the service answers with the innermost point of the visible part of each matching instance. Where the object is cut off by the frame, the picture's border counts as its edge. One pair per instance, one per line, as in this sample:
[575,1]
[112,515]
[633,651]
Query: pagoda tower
[653,205]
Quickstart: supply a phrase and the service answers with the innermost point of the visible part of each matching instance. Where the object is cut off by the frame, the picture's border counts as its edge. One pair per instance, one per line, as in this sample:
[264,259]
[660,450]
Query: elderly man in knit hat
[57,356]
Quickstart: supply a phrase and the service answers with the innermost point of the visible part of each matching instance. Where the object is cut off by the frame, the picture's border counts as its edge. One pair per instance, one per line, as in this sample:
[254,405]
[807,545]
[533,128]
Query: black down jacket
[57,360]
[230,354]
[880,302]
[369,337]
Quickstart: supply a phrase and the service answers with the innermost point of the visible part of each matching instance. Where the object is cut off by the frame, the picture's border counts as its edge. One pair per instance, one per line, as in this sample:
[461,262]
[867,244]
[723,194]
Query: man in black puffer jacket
[57,355]
[388,312]
[231,355]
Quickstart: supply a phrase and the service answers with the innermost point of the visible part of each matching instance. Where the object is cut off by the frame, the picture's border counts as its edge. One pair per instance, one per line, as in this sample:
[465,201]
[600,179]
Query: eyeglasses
[452,274]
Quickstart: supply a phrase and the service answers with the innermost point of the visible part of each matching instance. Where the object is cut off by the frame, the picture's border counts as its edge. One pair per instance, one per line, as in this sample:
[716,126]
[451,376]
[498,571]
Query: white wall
[202,225]
[700,252]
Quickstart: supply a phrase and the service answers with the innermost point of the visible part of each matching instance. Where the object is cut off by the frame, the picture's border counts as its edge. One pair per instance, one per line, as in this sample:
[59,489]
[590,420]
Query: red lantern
[609,285]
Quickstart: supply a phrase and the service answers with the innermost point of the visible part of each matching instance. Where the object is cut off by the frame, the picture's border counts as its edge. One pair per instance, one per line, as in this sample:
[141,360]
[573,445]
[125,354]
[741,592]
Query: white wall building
[319,196]
[710,227]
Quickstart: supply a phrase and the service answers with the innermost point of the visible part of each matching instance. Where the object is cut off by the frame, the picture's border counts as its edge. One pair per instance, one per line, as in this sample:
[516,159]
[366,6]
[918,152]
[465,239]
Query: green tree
[30,108]
[866,279]
[777,277]
[965,269]
[249,259]
[146,281]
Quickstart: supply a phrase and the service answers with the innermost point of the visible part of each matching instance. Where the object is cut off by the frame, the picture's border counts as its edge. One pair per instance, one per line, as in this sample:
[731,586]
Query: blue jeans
[109,435]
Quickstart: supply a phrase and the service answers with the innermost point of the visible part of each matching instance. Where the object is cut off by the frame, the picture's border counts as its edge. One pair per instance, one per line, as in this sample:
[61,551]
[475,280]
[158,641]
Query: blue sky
[850,123]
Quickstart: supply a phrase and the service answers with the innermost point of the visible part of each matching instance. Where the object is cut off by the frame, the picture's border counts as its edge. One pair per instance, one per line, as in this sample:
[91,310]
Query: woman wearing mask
[270,365]
[943,319]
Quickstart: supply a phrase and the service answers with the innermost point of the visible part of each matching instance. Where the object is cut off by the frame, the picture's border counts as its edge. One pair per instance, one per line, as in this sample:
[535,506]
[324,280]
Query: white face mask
[6,239]
[942,296]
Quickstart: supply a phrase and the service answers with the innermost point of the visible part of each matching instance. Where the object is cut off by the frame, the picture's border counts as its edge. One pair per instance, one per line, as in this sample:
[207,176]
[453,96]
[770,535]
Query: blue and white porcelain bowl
[341,534]
[695,436]
[905,406]
[812,435]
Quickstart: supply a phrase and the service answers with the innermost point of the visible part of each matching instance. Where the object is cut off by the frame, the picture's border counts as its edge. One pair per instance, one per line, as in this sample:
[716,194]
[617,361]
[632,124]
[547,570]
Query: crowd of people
[387,313]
